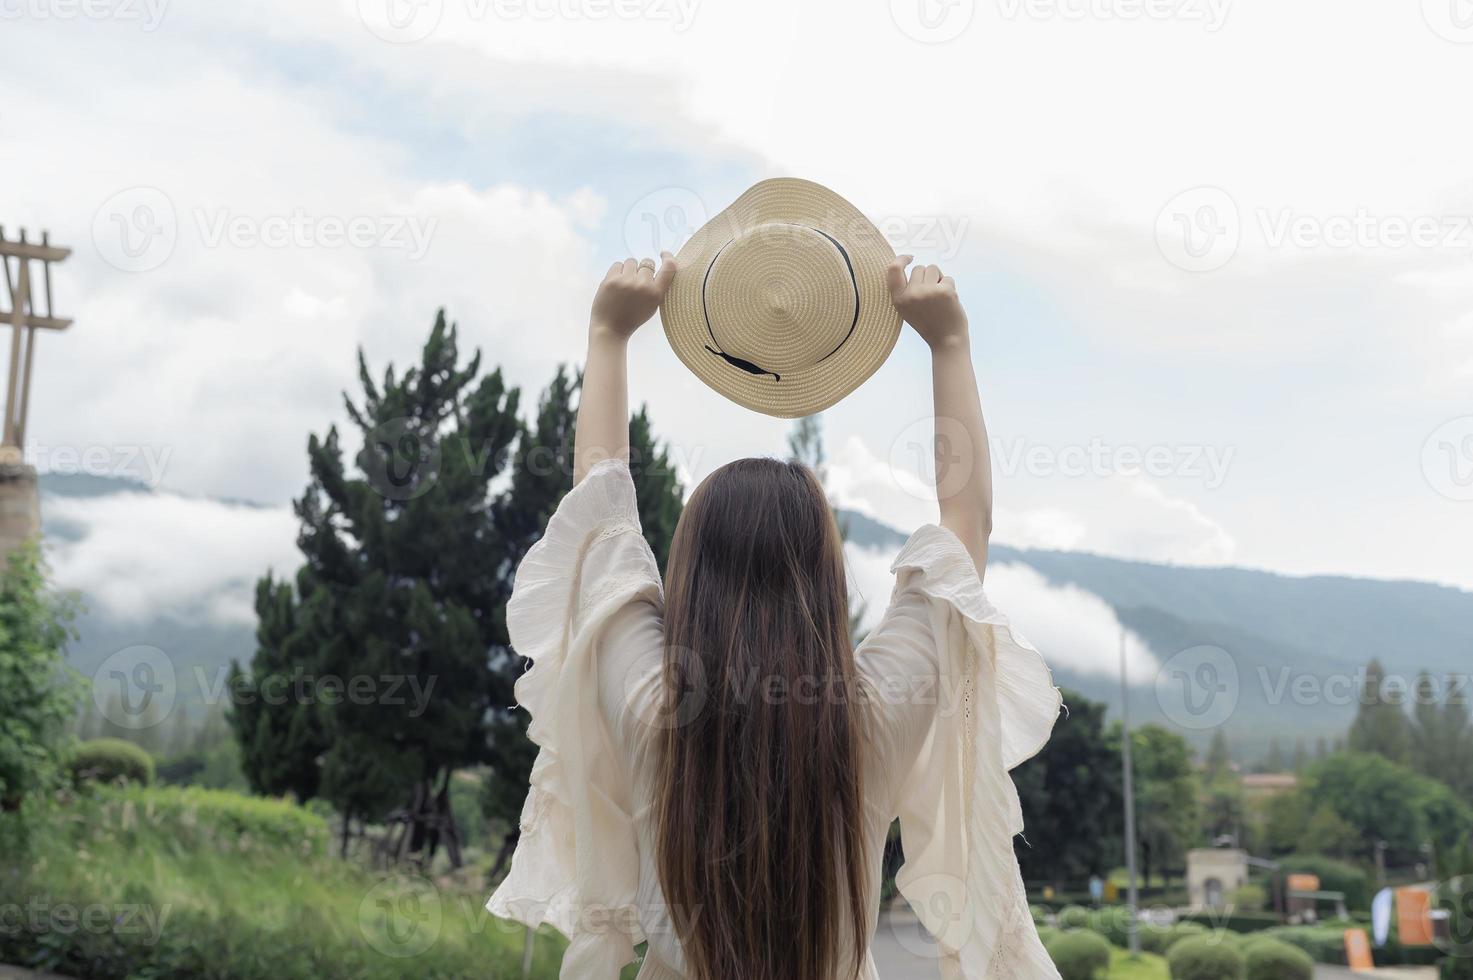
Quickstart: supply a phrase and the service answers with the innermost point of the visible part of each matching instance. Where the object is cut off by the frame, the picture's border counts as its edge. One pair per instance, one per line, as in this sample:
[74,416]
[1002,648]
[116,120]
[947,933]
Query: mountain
[1296,644]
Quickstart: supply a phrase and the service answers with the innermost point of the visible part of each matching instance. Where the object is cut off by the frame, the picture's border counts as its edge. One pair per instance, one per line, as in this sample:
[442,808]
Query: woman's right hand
[929,303]
[630,294]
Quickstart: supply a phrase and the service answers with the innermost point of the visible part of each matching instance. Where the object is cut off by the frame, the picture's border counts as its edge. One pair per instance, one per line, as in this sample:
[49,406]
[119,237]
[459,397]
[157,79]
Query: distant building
[1260,784]
[1213,874]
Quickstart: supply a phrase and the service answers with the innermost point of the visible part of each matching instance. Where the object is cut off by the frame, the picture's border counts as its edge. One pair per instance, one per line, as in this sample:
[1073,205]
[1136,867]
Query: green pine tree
[1219,756]
[1381,724]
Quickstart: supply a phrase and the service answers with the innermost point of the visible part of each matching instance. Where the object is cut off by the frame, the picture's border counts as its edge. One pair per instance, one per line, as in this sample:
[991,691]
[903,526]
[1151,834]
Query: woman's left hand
[630,294]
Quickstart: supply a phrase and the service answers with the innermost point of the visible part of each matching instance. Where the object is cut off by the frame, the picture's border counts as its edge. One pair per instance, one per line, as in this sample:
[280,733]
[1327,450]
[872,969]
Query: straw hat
[780,302]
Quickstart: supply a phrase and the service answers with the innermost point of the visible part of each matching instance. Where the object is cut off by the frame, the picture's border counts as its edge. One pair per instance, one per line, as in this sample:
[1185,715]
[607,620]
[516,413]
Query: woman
[718,766]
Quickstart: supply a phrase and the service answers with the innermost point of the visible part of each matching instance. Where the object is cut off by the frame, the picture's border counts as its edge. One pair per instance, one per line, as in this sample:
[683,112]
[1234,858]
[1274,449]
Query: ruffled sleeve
[958,808]
[576,864]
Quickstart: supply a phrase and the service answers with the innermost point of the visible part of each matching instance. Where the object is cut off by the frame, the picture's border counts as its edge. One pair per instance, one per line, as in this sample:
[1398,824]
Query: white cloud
[140,555]
[1074,629]
[1122,516]
[295,239]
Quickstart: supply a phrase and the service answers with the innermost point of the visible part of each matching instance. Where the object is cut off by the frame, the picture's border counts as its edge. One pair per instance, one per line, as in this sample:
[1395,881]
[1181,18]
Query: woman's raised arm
[929,303]
[626,299]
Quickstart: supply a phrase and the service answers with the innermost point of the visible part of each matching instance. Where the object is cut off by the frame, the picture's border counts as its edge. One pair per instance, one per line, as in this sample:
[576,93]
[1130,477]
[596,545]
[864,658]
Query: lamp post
[1125,765]
[30,309]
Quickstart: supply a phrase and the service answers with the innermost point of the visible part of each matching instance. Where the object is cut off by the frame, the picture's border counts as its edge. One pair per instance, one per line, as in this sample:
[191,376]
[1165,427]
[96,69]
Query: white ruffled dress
[958,698]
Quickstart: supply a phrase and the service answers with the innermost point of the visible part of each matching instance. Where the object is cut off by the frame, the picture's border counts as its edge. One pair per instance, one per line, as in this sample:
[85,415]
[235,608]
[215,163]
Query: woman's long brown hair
[758,793]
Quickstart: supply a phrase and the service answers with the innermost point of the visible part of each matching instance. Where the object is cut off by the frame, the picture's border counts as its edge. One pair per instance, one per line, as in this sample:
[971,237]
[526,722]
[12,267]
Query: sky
[1217,254]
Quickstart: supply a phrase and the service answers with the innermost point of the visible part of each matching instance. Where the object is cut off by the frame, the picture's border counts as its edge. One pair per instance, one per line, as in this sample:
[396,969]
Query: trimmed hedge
[110,760]
[1080,955]
[1205,958]
[1237,921]
[1271,959]
[1334,875]
[1325,943]
[1074,917]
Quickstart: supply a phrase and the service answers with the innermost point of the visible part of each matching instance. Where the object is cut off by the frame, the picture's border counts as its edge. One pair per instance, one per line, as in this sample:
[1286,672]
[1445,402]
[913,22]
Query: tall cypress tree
[1381,724]
[383,642]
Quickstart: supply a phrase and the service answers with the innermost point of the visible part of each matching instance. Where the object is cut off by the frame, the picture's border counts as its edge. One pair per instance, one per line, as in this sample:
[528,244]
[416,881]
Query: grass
[1144,967]
[167,882]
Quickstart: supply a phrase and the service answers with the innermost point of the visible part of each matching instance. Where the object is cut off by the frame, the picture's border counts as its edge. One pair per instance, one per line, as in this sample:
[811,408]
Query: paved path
[902,949]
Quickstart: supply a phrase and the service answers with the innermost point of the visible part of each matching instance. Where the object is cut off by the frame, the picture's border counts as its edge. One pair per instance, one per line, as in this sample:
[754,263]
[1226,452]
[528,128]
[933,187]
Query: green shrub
[1073,917]
[1184,930]
[202,883]
[1204,958]
[1080,955]
[1039,913]
[1239,920]
[1047,934]
[1334,875]
[1323,943]
[1112,922]
[1249,898]
[109,760]
[1271,959]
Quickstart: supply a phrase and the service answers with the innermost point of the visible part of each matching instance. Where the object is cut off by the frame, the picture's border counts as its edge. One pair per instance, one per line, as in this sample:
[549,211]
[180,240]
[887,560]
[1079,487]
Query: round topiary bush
[1180,931]
[1154,937]
[108,760]
[1073,917]
[1113,922]
[1269,959]
[1080,955]
[1039,913]
[1204,958]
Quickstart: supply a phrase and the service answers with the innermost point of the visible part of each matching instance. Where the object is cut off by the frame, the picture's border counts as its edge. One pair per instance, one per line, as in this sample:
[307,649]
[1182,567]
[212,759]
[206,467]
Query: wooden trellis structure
[26,315]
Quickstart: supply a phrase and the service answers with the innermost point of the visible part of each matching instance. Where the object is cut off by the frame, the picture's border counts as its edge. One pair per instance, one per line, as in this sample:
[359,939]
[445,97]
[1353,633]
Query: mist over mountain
[177,573]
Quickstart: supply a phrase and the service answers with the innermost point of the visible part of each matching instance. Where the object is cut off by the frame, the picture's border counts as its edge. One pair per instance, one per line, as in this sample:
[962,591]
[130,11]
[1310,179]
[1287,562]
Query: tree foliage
[1073,782]
[1381,724]
[37,691]
[1168,809]
[384,664]
[1380,800]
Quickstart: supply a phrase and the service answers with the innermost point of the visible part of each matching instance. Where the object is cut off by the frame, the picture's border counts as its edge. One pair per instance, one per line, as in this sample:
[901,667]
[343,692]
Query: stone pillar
[20,505]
